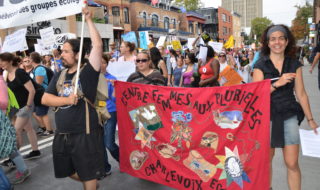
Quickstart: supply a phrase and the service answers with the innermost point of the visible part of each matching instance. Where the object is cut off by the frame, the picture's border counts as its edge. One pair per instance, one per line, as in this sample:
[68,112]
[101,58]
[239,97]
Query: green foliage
[190,5]
[258,25]
[300,27]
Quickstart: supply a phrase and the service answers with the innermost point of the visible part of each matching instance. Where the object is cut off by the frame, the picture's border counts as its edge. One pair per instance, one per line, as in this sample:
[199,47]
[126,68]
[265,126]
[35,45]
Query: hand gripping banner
[196,138]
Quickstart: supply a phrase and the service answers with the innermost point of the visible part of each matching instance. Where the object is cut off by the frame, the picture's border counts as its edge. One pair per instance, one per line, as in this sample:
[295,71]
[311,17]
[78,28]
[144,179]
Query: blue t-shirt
[177,72]
[111,102]
[41,71]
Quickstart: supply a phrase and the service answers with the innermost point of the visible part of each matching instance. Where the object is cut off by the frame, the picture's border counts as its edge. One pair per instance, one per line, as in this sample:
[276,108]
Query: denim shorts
[41,110]
[291,131]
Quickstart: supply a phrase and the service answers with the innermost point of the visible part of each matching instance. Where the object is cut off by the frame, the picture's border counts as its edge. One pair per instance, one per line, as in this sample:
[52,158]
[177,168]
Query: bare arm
[96,51]
[57,101]
[164,69]
[315,61]
[303,99]
[30,88]
[39,79]
[216,69]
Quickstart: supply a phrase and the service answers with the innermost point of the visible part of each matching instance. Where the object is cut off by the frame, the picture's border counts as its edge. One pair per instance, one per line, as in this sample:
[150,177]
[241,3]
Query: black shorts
[79,153]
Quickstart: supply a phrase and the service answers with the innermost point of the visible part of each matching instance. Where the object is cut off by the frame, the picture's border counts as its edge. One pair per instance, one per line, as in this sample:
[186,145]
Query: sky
[278,11]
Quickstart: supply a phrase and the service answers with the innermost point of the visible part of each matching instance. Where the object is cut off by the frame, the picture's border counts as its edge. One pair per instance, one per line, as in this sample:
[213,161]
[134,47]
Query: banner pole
[80,51]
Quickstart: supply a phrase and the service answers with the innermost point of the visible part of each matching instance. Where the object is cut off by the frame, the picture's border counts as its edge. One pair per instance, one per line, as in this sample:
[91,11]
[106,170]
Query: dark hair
[106,57]
[131,45]
[36,57]
[192,57]
[75,45]
[291,47]
[1,71]
[155,55]
[210,53]
[9,57]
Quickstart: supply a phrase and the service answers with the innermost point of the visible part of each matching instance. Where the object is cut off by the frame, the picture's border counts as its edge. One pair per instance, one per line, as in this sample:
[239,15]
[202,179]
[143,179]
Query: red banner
[196,138]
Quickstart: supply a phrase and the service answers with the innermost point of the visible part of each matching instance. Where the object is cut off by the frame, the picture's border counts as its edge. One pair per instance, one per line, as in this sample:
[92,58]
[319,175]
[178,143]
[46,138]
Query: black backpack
[49,73]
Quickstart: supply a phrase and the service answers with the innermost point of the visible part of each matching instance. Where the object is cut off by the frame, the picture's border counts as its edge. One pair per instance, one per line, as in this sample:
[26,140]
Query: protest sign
[15,42]
[203,54]
[16,13]
[144,39]
[176,45]
[190,42]
[217,46]
[37,48]
[47,37]
[161,41]
[121,70]
[229,77]
[196,138]
[130,37]
[61,38]
[45,50]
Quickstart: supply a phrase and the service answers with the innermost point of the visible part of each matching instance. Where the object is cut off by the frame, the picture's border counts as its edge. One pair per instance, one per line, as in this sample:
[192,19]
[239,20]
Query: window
[190,27]
[224,18]
[166,22]
[126,15]
[155,20]
[115,11]
[174,23]
[225,30]
[144,16]
[208,17]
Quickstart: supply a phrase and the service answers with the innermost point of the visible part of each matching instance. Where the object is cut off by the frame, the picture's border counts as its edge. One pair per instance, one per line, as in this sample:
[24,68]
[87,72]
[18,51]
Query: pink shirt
[3,95]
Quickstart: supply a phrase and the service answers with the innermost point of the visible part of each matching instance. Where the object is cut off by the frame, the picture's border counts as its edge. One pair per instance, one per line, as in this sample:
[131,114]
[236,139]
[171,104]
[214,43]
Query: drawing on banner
[146,121]
[137,159]
[210,140]
[228,119]
[61,38]
[180,128]
[168,151]
[204,169]
[232,168]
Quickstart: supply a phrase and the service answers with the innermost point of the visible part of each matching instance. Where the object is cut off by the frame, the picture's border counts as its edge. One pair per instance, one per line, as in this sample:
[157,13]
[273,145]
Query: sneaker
[9,163]
[21,177]
[32,155]
[47,133]
[40,130]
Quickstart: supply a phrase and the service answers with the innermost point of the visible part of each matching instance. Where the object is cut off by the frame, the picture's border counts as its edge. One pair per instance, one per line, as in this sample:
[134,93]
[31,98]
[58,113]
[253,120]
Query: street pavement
[42,177]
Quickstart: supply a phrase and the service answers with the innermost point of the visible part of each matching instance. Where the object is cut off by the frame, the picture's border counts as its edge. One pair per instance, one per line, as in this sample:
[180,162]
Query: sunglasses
[221,56]
[141,60]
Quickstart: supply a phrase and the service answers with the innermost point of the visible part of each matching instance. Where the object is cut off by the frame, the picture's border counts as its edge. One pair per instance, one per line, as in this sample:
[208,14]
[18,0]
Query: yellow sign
[176,45]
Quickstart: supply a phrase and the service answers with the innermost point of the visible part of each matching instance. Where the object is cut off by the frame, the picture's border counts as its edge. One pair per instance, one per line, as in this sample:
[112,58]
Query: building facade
[196,22]
[236,24]
[159,19]
[224,24]
[211,23]
[248,9]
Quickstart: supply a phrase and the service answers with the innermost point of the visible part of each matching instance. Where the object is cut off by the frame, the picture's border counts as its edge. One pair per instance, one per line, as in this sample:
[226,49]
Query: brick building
[196,22]
[236,27]
[224,24]
[159,19]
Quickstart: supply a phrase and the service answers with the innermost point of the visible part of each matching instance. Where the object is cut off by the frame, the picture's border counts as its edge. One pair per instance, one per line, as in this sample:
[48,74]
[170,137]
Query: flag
[196,138]
[93,4]
[229,43]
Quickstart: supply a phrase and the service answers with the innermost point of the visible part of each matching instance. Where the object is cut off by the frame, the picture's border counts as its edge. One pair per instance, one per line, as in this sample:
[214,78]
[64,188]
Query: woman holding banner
[145,74]
[279,64]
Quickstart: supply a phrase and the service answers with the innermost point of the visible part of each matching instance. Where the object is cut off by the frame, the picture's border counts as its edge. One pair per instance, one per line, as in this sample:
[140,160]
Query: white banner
[21,12]
[61,38]
[15,42]
[121,70]
[47,37]
[42,49]
[217,46]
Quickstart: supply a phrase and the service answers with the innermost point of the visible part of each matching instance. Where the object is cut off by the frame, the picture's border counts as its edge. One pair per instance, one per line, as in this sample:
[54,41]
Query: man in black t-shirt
[315,62]
[76,153]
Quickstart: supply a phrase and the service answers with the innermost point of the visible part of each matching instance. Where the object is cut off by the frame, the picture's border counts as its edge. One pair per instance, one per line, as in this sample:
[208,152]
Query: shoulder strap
[61,79]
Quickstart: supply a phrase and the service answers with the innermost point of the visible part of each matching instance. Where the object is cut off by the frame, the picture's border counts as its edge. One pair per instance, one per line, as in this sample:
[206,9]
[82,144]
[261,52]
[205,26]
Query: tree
[299,26]
[258,25]
[189,5]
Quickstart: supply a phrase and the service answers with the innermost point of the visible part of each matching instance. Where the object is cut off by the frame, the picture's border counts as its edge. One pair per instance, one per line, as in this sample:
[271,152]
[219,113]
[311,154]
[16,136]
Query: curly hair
[291,47]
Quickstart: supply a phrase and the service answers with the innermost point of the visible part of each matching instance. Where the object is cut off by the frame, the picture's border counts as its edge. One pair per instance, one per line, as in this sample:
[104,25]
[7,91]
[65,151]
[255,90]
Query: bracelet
[274,86]
[310,119]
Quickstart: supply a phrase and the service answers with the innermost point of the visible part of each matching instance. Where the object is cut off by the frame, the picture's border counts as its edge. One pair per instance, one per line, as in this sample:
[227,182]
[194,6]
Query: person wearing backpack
[40,76]
[21,85]
[78,151]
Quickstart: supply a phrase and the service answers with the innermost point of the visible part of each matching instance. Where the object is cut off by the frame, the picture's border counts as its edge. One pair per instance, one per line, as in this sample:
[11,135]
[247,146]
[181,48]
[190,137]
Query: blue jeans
[109,139]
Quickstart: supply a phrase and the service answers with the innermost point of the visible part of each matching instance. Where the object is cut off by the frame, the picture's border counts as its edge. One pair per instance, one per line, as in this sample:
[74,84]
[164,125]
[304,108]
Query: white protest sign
[203,53]
[217,46]
[121,70]
[190,42]
[47,37]
[20,12]
[161,41]
[15,42]
[37,48]
[45,50]
[61,38]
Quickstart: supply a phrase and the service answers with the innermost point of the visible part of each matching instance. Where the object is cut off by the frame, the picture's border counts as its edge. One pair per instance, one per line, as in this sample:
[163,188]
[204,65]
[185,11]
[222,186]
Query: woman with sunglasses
[145,73]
